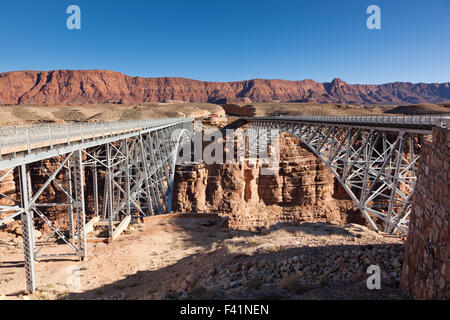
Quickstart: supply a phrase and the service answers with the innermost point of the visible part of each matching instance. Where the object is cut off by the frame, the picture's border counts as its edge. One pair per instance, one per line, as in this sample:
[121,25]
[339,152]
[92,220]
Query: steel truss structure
[375,159]
[133,160]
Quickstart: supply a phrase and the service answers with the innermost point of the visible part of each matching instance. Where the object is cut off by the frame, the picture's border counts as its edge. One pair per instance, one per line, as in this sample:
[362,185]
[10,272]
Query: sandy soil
[151,258]
[114,112]
[107,112]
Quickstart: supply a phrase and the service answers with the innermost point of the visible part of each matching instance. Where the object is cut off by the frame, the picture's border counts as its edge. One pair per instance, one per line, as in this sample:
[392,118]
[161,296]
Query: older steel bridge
[375,158]
[133,162]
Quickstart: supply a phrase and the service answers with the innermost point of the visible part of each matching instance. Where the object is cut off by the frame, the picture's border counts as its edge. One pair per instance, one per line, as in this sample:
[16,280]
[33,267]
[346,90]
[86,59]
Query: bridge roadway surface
[22,144]
[418,123]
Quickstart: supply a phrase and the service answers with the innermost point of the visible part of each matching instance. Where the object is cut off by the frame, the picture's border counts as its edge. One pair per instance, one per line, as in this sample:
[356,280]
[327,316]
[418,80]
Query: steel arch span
[375,159]
[132,162]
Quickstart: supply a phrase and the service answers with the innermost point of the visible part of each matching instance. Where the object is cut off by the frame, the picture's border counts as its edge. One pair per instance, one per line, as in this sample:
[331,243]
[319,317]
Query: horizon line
[251,79]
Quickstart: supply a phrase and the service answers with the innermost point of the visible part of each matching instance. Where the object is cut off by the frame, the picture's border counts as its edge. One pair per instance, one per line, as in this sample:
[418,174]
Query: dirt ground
[152,258]
[105,112]
[114,112]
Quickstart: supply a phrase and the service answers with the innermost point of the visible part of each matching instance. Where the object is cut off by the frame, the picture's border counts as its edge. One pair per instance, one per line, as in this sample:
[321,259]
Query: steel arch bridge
[134,160]
[374,158]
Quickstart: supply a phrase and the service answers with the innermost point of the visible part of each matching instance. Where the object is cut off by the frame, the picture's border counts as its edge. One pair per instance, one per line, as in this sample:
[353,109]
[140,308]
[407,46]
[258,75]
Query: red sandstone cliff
[103,86]
[303,189]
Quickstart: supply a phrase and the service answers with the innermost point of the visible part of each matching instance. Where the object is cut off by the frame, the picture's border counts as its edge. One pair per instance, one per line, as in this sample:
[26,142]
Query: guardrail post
[28,140]
[51,136]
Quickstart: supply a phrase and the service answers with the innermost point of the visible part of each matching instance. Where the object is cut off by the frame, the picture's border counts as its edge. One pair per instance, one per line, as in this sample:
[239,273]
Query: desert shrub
[254,283]
[294,284]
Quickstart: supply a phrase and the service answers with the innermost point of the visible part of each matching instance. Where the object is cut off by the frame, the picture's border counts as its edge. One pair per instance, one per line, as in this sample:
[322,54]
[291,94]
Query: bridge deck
[409,123]
[35,141]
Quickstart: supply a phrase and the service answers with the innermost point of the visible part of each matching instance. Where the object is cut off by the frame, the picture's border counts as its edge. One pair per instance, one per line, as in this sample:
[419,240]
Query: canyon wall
[302,190]
[426,272]
[104,86]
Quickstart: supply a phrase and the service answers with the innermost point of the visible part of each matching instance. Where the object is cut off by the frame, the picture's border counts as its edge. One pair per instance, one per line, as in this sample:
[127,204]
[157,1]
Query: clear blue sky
[232,40]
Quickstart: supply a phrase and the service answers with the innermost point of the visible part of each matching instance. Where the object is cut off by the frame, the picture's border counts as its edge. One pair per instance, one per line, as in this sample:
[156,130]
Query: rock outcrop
[104,86]
[303,189]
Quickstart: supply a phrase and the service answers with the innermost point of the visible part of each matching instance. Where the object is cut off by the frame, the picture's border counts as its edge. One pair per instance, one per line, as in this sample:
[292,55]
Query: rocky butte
[104,86]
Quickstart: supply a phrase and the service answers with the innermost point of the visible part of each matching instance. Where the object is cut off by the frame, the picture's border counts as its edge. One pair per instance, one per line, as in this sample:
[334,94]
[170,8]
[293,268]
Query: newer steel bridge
[133,162]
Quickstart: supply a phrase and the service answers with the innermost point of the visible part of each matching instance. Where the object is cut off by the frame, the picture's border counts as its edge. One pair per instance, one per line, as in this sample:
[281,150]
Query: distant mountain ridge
[104,86]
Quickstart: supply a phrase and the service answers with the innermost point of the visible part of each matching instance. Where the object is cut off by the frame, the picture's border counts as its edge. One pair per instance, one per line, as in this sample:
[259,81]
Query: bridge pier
[27,230]
[425,271]
[79,204]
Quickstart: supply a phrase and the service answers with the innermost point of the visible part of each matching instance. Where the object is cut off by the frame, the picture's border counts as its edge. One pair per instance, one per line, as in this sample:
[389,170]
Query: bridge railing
[422,120]
[30,136]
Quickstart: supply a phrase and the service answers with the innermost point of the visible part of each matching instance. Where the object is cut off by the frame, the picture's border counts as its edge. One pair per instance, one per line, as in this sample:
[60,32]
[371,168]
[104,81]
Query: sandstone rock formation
[303,189]
[104,86]
[234,109]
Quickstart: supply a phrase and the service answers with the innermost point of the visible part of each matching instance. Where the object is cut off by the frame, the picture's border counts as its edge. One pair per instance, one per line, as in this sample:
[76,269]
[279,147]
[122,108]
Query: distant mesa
[104,86]
[233,109]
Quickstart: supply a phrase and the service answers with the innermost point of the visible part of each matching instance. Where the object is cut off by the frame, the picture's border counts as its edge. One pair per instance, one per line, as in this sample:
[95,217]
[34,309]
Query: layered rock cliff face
[103,86]
[303,189]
